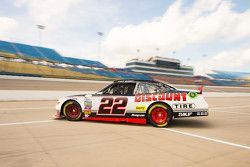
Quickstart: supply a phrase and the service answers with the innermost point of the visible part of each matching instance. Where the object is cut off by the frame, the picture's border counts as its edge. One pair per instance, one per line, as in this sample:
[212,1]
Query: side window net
[125,89]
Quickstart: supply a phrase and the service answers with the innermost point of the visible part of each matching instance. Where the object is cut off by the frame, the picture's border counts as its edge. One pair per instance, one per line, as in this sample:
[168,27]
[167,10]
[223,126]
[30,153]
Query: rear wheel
[72,111]
[159,115]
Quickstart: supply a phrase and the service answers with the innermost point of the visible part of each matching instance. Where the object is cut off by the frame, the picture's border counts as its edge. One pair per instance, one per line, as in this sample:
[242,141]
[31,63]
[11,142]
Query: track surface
[29,137]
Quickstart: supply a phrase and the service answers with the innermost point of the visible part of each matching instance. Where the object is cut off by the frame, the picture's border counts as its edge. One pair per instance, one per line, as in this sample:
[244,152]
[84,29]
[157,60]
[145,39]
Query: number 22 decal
[113,106]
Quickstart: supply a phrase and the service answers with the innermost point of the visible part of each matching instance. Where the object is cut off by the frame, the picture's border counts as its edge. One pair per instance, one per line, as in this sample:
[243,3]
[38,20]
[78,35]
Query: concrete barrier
[18,95]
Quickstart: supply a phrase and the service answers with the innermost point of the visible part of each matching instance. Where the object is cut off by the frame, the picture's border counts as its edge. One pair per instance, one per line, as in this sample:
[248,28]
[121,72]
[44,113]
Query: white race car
[134,101]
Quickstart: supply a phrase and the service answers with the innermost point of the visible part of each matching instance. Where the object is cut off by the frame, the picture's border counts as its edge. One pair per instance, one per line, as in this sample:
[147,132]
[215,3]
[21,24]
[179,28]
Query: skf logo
[184,114]
[183,106]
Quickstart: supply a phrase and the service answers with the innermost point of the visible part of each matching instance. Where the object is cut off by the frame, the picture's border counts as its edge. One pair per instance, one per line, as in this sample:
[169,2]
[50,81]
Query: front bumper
[58,114]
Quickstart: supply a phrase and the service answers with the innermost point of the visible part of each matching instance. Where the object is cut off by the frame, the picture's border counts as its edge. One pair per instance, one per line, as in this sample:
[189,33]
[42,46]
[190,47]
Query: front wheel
[159,115]
[72,111]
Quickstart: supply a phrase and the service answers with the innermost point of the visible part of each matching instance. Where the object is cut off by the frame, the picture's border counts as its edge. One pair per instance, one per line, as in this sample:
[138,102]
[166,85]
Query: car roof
[135,80]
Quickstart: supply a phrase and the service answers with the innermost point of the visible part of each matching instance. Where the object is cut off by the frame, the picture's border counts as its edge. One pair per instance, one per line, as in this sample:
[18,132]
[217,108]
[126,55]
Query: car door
[114,101]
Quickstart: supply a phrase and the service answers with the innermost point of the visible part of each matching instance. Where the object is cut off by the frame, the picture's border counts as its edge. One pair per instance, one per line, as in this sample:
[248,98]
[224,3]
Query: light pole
[157,51]
[40,28]
[188,59]
[174,53]
[100,34]
[138,53]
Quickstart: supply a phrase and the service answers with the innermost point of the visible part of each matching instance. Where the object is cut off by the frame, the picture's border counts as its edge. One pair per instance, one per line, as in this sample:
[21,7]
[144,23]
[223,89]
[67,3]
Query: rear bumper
[190,114]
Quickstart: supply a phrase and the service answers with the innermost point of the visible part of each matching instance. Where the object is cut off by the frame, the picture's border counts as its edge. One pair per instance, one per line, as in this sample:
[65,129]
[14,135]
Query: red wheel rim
[159,115]
[72,111]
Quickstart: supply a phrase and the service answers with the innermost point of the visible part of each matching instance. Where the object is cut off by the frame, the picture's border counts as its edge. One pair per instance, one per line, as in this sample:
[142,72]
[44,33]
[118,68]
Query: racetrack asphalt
[30,137]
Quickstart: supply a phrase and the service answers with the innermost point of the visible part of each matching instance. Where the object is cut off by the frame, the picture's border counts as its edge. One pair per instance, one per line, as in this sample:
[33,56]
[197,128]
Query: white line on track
[34,108]
[22,123]
[171,130]
[209,139]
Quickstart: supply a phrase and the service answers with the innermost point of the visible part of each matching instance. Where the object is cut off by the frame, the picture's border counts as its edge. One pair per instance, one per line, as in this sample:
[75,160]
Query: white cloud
[46,11]
[203,22]
[231,60]
[70,23]
[6,26]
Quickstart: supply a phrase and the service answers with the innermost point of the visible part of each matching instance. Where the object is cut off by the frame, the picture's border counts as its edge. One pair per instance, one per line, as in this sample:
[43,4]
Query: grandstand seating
[229,75]
[226,78]
[92,69]
[29,69]
[84,70]
[51,54]
[184,80]
[34,52]
[83,62]
[112,74]
[7,47]
[229,83]
[106,73]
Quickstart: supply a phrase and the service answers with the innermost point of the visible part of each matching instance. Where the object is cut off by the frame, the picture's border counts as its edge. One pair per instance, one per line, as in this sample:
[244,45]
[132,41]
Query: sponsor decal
[137,115]
[183,106]
[192,94]
[202,113]
[184,114]
[178,96]
[113,106]
[87,107]
[87,111]
[190,114]
[140,108]
[87,102]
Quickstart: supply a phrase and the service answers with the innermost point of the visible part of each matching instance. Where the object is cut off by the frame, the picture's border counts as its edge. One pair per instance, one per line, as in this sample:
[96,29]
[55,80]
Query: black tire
[72,111]
[159,115]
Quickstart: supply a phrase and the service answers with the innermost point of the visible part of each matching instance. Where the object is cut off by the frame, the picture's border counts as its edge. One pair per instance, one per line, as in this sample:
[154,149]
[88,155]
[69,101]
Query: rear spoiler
[200,89]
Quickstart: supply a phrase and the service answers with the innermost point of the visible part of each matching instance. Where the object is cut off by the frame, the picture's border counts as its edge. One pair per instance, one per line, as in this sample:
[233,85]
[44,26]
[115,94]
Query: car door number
[113,106]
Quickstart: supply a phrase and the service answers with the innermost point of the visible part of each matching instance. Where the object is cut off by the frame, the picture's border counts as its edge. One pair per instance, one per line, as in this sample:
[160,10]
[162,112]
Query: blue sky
[216,28]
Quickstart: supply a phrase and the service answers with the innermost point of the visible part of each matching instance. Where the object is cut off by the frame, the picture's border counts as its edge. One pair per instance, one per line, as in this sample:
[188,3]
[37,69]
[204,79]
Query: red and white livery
[134,101]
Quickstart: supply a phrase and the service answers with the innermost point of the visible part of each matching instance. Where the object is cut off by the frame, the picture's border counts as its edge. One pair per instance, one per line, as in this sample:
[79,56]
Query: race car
[134,101]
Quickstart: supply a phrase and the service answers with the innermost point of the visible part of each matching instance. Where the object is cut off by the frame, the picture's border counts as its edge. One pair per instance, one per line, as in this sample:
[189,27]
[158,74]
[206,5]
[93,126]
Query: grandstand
[230,78]
[160,66]
[229,75]
[170,70]
[28,60]
[165,69]
[40,53]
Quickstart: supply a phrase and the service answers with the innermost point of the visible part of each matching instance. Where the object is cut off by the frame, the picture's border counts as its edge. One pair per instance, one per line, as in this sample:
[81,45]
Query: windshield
[119,89]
